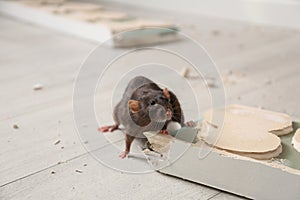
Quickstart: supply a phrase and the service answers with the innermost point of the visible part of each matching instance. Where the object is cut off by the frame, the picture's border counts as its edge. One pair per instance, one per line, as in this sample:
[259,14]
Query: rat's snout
[159,113]
[168,114]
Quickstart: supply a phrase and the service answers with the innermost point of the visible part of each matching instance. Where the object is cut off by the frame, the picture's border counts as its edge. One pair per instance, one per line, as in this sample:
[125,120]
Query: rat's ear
[167,93]
[134,106]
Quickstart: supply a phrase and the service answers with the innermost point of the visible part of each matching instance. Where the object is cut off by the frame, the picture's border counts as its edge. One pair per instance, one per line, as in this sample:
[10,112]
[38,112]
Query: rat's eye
[163,98]
[152,102]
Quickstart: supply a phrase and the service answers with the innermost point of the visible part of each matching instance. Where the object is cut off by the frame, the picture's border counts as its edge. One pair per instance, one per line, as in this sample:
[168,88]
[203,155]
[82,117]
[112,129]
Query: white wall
[284,13]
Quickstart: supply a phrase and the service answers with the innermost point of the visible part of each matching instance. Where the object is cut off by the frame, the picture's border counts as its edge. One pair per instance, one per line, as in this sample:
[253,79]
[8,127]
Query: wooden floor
[264,63]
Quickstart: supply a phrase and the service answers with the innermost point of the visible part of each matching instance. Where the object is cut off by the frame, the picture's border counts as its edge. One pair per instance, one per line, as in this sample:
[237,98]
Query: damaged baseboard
[130,32]
[275,178]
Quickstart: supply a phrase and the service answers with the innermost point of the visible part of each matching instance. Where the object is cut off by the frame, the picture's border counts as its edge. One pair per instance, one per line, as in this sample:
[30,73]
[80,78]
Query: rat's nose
[169,114]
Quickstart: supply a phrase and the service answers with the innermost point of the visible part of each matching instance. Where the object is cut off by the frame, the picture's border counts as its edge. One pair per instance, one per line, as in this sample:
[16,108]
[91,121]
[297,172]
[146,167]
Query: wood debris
[133,31]
[296,140]
[57,142]
[247,131]
[38,86]
[185,72]
[15,126]
[216,32]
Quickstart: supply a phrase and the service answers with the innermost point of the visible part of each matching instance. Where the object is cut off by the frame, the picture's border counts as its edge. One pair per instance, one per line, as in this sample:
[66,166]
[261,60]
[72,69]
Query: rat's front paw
[124,154]
[103,129]
[108,128]
[165,132]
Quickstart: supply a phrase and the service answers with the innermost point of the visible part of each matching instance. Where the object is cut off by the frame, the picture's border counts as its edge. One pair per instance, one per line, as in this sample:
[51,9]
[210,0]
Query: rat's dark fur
[148,95]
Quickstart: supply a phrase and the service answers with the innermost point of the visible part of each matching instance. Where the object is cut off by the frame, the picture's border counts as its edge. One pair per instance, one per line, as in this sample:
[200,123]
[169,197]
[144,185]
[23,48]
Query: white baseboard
[76,28]
[97,33]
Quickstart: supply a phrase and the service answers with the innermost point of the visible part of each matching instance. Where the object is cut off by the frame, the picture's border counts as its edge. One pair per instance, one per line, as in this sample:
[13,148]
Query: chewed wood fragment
[213,125]
[152,153]
[38,86]
[57,142]
[248,131]
[185,72]
[296,140]
[15,126]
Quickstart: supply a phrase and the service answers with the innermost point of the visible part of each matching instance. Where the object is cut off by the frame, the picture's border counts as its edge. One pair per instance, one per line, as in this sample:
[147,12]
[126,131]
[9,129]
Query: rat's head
[151,105]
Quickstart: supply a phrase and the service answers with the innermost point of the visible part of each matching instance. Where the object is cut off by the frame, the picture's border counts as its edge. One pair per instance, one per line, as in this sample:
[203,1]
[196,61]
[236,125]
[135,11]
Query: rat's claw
[103,129]
[165,132]
[191,123]
[124,154]
[108,128]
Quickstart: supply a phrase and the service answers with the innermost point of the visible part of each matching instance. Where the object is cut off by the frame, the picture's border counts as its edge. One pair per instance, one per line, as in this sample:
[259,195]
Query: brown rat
[144,107]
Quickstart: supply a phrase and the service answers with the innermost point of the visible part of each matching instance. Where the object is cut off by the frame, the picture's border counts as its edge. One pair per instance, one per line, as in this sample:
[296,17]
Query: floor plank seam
[213,196]
[51,166]
[28,175]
